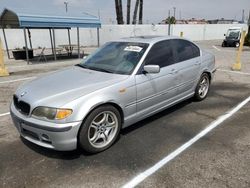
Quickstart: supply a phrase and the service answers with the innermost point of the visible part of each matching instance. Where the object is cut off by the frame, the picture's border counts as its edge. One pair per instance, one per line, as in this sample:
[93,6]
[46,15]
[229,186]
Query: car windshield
[115,57]
[233,33]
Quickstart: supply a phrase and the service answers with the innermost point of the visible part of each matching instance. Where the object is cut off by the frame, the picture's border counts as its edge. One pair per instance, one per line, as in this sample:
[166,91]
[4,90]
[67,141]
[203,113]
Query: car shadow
[156,116]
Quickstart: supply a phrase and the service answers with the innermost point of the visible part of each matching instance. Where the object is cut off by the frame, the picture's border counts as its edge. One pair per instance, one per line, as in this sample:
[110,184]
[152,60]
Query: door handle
[174,71]
[197,63]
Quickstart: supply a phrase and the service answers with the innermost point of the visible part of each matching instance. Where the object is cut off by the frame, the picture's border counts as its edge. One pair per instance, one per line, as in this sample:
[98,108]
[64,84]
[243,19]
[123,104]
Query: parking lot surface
[219,159]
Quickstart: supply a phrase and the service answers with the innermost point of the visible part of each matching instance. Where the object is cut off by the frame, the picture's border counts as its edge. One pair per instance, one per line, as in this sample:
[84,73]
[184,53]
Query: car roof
[233,28]
[147,39]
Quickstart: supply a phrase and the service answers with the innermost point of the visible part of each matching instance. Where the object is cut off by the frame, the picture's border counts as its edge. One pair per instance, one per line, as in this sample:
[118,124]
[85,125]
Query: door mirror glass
[151,69]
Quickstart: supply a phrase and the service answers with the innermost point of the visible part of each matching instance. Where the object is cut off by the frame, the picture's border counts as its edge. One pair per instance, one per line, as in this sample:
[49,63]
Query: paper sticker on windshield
[133,48]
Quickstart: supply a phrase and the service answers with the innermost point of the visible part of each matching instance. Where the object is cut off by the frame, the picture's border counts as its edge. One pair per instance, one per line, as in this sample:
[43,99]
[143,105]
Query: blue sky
[154,10]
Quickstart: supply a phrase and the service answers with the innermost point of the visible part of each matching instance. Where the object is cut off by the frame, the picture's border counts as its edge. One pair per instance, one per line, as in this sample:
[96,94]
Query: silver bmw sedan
[120,84]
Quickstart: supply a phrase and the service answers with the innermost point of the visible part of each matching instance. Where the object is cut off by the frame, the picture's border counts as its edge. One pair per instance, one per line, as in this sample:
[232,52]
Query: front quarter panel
[122,94]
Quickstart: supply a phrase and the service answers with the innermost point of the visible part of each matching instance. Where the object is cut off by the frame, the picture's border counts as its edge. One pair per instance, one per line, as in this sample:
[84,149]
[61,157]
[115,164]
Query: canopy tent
[28,20]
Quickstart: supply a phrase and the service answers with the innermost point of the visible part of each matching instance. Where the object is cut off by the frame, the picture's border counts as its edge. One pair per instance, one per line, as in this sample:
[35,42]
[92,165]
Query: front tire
[202,87]
[100,129]
[237,44]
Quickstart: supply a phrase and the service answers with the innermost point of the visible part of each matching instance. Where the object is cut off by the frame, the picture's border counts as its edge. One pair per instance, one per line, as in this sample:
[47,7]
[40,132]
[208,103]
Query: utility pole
[174,11]
[243,16]
[99,14]
[66,5]
[169,24]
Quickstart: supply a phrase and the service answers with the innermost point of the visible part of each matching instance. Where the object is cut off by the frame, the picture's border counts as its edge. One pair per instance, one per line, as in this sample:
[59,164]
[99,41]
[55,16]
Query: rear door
[156,90]
[188,61]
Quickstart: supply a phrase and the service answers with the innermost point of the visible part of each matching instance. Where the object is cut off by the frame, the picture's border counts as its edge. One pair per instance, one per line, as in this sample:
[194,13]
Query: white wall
[88,37]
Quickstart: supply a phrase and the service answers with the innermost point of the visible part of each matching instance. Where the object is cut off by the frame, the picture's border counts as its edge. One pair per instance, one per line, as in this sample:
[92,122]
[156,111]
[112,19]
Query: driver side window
[161,54]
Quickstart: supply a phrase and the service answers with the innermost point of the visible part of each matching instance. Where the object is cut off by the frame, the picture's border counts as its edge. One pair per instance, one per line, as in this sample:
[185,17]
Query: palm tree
[118,8]
[121,14]
[128,11]
[141,12]
[135,11]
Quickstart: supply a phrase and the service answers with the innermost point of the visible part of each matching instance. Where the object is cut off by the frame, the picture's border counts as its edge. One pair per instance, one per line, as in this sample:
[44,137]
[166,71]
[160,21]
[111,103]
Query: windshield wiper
[93,68]
[100,69]
[82,66]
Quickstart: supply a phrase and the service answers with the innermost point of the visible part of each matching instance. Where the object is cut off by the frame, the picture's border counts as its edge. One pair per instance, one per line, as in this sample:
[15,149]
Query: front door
[154,91]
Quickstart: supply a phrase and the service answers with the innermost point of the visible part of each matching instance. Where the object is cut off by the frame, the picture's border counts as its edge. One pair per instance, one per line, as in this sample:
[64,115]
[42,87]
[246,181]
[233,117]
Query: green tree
[171,19]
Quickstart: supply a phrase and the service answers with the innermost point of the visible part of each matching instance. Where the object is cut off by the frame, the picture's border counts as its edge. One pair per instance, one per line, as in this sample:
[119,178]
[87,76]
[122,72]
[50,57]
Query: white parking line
[236,72]
[216,48]
[17,80]
[142,176]
[4,114]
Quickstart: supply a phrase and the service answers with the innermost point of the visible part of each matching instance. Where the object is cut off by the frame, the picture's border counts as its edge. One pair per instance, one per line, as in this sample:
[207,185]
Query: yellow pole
[3,70]
[181,34]
[237,66]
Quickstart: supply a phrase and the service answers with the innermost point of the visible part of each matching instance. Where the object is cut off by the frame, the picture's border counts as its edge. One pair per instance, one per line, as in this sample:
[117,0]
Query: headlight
[51,113]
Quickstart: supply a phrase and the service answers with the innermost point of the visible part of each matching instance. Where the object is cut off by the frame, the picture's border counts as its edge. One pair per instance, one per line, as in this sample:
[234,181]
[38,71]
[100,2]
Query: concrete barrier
[88,37]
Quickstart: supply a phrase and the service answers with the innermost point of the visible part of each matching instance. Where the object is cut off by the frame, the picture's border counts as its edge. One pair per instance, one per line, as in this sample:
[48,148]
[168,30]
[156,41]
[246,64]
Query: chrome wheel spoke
[95,137]
[110,125]
[94,125]
[105,137]
[103,120]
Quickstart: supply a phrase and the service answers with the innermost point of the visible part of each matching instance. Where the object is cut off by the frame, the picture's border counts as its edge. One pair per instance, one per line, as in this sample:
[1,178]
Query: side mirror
[151,69]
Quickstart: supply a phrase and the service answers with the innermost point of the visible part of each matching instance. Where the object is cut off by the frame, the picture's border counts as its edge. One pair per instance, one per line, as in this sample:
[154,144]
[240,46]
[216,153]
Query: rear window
[185,50]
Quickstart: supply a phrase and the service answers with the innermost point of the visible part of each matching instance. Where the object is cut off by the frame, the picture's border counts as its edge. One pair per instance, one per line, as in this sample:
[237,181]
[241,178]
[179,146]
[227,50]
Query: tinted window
[185,50]
[160,54]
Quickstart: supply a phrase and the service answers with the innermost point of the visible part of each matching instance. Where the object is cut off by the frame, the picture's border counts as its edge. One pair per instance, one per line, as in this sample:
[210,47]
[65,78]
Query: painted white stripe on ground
[216,48]
[4,114]
[17,80]
[236,72]
[142,176]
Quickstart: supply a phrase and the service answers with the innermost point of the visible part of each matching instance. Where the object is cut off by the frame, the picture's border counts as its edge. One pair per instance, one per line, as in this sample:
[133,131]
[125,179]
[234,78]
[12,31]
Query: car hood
[59,88]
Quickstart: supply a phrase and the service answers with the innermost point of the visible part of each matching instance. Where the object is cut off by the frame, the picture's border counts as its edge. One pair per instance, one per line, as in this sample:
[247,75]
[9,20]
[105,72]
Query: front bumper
[61,137]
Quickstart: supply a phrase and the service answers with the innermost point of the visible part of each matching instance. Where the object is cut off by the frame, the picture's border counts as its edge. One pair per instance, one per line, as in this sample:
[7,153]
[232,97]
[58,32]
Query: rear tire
[100,129]
[202,87]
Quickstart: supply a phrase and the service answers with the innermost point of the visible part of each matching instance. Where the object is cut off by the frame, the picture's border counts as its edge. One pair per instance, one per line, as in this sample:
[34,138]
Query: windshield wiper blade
[82,66]
[100,69]
[93,68]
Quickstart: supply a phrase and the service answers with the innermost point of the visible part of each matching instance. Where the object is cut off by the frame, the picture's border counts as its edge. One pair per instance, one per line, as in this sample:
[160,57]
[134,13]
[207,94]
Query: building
[222,21]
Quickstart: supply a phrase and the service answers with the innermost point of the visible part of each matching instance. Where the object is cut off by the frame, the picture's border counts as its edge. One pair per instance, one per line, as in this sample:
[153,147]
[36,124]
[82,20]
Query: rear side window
[185,50]
[160,54]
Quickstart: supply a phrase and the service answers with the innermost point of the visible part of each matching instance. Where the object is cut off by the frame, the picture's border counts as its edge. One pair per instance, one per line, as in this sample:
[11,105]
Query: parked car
[120,84]
[232,38]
